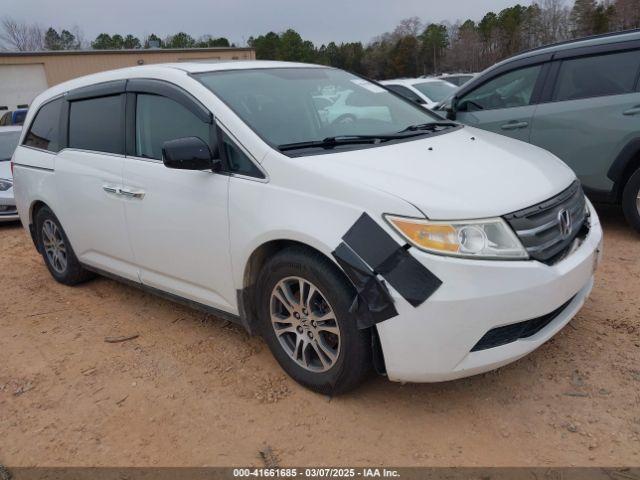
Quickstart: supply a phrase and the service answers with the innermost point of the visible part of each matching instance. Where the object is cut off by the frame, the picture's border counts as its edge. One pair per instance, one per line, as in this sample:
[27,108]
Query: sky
[320,21]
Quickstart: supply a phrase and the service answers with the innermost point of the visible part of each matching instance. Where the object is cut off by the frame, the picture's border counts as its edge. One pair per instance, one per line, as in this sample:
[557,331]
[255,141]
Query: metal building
[23,75]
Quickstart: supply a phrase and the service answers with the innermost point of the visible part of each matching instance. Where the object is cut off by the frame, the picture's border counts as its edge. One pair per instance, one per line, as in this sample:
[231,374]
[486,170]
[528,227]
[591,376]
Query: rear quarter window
[44,132]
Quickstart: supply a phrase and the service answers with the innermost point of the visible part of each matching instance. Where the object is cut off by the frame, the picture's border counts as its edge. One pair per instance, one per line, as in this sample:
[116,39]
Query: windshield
[296,105]
[436,91]
[8,143]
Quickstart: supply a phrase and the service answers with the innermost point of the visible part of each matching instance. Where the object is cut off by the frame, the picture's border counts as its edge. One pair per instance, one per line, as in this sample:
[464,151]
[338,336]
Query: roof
[604,39]
[162,69]
[133,51]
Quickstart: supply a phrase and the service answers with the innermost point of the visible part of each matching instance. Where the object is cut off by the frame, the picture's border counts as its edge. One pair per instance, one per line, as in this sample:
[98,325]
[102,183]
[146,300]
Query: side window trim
[595,50]
[538,88]
[173,92]
[130,124]
[64,125]
[550,83]
[104,89]
[497,71]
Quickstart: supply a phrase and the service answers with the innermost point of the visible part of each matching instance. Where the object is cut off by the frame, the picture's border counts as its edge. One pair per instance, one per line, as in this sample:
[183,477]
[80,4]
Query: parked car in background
[458,79]
[580,100]
[424,247]
[9,137]
[428,92]
[13,117]
[347,106]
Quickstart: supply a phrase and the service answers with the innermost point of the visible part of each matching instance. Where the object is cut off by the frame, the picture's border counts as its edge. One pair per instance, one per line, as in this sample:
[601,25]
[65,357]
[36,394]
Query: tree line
[413,48]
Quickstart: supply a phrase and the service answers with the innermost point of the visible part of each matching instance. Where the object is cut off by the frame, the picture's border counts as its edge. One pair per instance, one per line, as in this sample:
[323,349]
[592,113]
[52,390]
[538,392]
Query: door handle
[632,111]
[514,125]
[130,193]
[111,189]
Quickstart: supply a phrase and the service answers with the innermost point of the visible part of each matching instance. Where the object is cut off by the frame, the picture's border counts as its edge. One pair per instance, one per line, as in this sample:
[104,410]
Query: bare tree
[555,15]
[81,41]
[409,27]
[627,14]
[21,36]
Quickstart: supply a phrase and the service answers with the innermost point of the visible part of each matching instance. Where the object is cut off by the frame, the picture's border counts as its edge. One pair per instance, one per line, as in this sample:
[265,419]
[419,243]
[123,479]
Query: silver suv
[580,100]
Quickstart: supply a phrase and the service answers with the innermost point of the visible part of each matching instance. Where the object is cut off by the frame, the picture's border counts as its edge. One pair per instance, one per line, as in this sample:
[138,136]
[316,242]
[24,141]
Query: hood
[464,174]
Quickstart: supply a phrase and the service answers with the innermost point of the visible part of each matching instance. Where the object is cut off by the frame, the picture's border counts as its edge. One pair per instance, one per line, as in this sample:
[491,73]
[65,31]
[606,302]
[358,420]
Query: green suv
[580,100]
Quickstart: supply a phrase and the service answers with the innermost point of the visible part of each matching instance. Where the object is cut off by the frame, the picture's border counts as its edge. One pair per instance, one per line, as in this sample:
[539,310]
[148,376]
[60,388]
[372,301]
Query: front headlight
[490,238]
[5,184]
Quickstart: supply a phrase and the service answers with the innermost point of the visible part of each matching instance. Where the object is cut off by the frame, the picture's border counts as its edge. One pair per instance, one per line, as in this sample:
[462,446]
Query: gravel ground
[194,390]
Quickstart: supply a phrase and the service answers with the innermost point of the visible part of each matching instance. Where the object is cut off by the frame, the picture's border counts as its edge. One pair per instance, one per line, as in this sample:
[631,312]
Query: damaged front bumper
[441,339]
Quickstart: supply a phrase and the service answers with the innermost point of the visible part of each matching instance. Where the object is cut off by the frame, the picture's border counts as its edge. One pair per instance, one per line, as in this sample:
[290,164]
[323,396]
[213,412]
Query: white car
[428,92]
[425,248]
[458,79]
[346,108]
[9,137]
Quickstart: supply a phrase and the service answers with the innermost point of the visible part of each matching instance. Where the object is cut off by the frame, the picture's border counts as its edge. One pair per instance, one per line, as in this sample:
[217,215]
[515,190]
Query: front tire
[59,257]
[303,308]
[631,200]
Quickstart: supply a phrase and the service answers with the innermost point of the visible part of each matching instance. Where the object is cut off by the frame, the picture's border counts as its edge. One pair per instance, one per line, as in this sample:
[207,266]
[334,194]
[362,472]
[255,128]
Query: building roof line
[132,51]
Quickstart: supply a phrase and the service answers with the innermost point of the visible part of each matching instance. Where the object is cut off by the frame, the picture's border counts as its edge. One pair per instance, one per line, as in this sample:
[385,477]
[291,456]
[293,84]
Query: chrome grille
[542,230]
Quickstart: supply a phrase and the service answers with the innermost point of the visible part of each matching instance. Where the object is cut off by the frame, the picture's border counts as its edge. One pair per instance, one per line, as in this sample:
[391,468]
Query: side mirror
[189,153]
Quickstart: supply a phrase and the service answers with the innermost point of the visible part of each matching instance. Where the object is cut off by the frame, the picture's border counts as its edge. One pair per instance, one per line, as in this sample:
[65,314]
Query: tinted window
[44,132]
[436,91]
[513,89]
[405,92]
[238,161]
[8,143]
[159,119]
[585,77]
[97,124]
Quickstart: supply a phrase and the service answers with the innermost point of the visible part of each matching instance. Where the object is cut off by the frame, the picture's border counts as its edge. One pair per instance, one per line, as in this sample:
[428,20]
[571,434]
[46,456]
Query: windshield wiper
[331,142]
[429,126]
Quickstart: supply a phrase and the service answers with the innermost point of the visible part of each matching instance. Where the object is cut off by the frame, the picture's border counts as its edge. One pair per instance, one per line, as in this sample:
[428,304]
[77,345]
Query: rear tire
[59,257]
[317,341]
[631,200]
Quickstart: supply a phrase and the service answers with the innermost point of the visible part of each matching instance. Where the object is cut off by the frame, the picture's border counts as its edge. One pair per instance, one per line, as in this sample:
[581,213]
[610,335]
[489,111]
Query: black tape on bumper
[393,262]
[373,303]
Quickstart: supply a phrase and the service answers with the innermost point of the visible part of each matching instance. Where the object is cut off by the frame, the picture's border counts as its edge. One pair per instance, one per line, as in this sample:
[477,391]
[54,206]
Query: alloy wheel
[305,324]
[54,246]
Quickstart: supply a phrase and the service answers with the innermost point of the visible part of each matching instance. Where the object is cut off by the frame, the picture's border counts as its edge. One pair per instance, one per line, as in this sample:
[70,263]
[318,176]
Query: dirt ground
[194,390]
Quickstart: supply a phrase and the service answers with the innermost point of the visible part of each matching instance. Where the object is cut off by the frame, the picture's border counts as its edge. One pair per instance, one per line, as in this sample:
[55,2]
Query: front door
[502,105]
[177,219]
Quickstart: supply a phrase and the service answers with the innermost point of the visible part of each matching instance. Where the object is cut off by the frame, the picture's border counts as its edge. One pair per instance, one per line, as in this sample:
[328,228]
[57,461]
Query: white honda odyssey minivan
[394,241]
